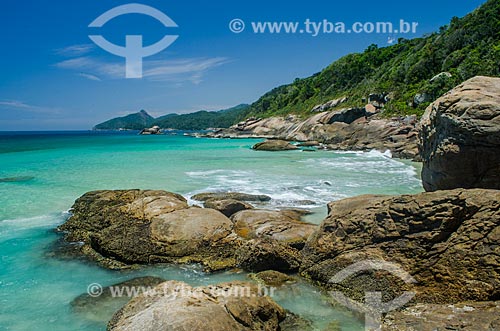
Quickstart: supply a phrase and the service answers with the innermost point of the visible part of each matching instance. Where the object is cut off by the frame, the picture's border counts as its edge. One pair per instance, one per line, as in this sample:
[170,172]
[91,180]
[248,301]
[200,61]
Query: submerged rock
[231,196]
[274,145]
[16,179]
[101,307]
[460,137]
[447,240]
[294,322]
[228,206]
[272,278]
[176,306]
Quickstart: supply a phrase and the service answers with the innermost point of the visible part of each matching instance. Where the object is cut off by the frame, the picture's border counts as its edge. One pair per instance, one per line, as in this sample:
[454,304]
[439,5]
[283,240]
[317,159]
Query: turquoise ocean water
[53,169]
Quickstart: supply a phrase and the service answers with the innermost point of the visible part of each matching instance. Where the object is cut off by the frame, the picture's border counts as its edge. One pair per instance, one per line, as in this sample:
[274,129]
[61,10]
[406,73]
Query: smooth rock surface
[276,225]
[176,306]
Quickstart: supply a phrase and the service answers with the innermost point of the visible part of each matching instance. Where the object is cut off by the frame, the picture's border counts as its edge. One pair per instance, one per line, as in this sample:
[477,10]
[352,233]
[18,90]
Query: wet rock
[294,322]
[272,278]
[312,143]
[228,207]
[231,196]
[176,306]
[274,146]
[463,128]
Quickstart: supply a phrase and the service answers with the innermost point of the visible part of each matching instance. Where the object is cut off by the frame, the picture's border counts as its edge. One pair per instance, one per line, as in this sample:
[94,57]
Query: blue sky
[53,77]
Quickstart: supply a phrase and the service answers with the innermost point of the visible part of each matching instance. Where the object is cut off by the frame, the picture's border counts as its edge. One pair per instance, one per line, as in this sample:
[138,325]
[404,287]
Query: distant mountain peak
[135,121]
[195,121]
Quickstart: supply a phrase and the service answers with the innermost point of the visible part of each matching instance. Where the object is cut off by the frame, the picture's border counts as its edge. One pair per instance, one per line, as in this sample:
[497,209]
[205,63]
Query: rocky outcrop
[335,130]
[447,240]
[468,316]
[231,196]
[176,306]
[153,130]
[228,206]
[126,227]
[460,137]
[274,146]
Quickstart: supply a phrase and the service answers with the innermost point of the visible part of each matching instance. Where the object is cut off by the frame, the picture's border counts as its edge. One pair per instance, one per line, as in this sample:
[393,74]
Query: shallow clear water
[54,169]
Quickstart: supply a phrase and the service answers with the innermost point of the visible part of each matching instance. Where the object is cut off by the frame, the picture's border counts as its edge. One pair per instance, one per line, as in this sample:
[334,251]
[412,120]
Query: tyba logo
[134,51]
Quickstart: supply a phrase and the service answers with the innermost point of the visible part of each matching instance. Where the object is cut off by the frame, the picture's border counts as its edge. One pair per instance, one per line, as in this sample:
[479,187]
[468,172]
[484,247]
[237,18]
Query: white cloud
[179,70]
[22,106]
[89,76]
[75,50]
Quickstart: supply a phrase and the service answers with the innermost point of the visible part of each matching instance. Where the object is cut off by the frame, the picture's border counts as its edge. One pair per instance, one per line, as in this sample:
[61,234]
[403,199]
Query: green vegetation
[195,121]
[137,121]
[202,119]
[467,47]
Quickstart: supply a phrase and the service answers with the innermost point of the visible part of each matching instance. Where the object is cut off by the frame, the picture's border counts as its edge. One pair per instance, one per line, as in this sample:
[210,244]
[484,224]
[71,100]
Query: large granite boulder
[124,227]
[176,306]
[274,146]
[447,240]
[460,137]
